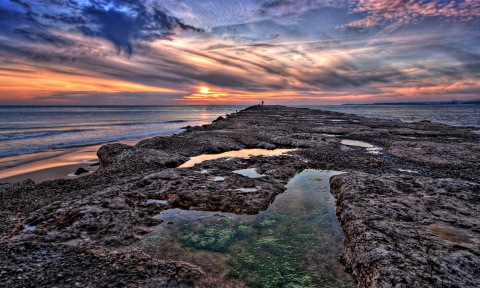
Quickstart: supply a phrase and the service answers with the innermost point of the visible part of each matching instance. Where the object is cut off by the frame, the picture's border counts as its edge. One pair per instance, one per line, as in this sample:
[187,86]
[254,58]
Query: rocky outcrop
[402,230]
[124,157]
[41,265]
[409,231]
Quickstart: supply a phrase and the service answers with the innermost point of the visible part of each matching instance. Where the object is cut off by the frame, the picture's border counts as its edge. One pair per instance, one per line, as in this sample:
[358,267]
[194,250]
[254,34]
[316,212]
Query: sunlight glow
[204,90]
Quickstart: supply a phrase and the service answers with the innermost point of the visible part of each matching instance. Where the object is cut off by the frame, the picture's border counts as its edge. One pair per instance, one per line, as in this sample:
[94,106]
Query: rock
[220,118]
[89,267]
[80,171]
[393,221]
[409,231]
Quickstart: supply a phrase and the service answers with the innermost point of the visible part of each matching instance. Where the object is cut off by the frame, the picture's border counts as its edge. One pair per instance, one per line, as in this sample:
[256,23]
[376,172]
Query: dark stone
[80,171]
[218,119]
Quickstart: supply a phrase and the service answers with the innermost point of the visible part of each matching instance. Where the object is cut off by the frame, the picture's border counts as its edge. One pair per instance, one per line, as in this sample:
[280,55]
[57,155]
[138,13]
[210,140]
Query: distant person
[262,103]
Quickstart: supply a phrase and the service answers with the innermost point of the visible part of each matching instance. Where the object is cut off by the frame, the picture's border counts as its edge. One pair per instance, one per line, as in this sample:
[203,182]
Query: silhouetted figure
[262,103]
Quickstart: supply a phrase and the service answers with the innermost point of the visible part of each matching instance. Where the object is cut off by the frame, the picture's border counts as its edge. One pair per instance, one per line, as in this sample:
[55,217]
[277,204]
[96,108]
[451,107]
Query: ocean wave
[176,121]
[87,126]
[36,134]
[82,143]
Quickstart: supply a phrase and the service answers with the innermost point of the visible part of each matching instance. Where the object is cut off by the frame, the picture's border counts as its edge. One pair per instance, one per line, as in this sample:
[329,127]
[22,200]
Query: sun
[204,90]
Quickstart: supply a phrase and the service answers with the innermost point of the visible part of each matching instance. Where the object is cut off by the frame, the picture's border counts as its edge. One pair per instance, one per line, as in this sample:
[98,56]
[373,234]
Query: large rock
[409,231]
[41,265]
[121,156]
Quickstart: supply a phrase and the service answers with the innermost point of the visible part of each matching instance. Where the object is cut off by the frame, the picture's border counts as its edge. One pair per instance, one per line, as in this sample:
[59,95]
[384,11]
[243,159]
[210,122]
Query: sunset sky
[127,52]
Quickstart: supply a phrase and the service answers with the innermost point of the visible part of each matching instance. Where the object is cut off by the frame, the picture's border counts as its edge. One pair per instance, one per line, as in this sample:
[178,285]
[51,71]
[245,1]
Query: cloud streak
[310,51]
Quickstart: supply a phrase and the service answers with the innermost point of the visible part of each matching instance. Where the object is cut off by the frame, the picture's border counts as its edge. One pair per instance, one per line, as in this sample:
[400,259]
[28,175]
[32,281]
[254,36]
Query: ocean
[455,115]
[33,129]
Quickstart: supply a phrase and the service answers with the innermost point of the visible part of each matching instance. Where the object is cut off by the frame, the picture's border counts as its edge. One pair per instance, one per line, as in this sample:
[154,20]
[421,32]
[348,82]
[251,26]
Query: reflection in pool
[152,201]
[247,190]
[28,228]
[370,148]
[296,242]
[250,173]
[244,153]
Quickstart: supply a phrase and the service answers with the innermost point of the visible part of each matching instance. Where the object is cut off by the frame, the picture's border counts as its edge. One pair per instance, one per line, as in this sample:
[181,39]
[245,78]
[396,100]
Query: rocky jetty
[409,211]
[404,231]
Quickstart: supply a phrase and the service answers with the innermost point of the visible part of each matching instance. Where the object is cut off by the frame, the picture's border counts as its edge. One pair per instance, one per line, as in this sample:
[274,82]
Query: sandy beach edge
[56,164]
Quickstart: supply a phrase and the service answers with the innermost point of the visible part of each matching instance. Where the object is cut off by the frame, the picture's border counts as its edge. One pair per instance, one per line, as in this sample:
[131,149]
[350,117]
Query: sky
[187,52]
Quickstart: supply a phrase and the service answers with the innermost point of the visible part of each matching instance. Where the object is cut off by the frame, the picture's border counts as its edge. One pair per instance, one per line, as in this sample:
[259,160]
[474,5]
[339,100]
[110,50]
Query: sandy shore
[51,165]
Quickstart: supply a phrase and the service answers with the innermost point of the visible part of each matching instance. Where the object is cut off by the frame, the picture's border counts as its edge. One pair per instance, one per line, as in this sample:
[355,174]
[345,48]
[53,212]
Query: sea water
[32,129]
[456,115]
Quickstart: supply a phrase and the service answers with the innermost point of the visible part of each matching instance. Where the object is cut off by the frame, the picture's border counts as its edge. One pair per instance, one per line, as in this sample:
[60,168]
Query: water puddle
[370,148]
[28,228]
[218,179]
[244,153]
[247,190]
[407,170]
[250,173]
[154,201]
[296,242]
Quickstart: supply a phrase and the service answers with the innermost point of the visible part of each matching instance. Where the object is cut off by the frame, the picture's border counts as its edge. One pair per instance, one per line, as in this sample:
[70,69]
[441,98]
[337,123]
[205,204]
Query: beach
[349,201]
[51,165]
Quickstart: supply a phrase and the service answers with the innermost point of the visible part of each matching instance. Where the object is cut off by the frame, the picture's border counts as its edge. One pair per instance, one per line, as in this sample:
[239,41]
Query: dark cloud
[277,4]
[25,5]
[122,22]
[36,35]
[138,22]
[116,26]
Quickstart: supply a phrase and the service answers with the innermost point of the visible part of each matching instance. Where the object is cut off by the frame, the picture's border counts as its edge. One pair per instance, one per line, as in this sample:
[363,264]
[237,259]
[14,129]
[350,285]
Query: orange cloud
[31,82]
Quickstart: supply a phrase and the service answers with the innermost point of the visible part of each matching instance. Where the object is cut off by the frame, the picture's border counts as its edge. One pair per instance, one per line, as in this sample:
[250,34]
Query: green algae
[218,237]
[296,242]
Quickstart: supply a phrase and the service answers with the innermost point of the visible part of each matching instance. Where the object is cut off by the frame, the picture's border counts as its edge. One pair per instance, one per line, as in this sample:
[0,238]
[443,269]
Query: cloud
[148,23]
[122,22]
[63,50]
[379,12]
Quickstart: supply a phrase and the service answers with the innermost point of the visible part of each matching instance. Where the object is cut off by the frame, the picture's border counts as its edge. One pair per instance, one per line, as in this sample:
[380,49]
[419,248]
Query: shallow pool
[244,153]
[370,148]
[296,242]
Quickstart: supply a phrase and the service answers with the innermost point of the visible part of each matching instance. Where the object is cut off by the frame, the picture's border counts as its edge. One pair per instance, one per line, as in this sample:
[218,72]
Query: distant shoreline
[453,102]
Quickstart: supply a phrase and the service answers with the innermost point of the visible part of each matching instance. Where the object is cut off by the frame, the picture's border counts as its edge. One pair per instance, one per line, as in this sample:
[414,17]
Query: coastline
[54,164]
[390,199]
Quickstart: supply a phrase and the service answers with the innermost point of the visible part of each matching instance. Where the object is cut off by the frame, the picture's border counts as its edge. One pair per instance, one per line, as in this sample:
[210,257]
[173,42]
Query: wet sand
[51,165]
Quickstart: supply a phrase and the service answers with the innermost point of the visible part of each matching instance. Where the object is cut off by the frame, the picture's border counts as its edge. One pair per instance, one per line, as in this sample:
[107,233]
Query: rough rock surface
[38,265]
[409,231]
[425,181]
